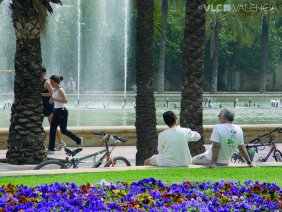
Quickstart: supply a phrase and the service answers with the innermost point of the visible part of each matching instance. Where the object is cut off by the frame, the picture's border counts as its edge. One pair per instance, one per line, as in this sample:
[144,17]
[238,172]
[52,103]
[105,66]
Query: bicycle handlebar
[258,138]
[115,137]
[99,133]
[120,138]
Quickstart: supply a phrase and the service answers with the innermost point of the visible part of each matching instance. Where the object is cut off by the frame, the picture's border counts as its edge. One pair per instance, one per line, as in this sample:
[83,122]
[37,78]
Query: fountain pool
[104,111]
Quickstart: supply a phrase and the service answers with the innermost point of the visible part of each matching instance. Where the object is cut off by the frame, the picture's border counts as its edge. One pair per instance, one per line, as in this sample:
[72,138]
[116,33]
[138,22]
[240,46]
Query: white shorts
[201,159]
[153,160]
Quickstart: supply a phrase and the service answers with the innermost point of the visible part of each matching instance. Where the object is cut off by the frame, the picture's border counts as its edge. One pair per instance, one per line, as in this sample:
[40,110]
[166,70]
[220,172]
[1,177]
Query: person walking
[225,137]
[48,109]
[173,144]
[60,117]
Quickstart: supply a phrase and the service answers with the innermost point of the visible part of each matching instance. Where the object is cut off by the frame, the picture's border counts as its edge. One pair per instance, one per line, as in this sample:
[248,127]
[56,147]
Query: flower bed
[145,195]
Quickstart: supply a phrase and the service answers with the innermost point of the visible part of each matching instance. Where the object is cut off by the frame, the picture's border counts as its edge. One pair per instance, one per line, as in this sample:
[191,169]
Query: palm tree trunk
[241,80]
[264,53]
[161,77]
[214,56]
[146,131]
[274,81]
[191,114]
[26,134]
[230,81]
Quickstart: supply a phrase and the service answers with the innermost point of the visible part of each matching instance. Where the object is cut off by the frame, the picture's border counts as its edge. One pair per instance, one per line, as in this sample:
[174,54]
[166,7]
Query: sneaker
[81,142]
[50,152]
[60,146]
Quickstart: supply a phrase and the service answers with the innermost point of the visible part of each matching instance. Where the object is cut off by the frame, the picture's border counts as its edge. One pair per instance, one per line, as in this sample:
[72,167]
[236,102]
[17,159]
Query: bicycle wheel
[51,164]
[118,161]
[278,156]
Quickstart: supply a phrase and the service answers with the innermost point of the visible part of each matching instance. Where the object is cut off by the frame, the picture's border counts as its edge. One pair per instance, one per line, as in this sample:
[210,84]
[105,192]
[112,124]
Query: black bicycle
[259,144]
[109,140]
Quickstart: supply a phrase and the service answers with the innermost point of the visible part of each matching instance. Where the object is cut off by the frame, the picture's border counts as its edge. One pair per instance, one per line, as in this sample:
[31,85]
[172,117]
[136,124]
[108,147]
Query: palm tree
[269,9]
[237,27]
[174,5]
[161,77]
[145,102]
[26,134]
[266,17]
[191,113]
[264,52]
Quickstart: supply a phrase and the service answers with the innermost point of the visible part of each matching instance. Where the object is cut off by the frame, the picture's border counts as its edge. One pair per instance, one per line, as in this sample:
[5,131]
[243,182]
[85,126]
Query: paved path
[127,151]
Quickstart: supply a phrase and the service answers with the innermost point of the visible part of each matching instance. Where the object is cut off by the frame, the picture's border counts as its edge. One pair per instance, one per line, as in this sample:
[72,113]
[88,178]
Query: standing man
[173,144]
[48,109]
[225,138]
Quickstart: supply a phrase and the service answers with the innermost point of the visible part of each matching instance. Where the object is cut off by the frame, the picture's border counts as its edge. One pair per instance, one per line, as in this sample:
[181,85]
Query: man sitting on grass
[172,144]
[225,137]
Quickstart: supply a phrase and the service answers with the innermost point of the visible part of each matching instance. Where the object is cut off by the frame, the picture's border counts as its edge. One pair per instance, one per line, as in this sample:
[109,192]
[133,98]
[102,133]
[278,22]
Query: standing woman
[48,109]
[60,116]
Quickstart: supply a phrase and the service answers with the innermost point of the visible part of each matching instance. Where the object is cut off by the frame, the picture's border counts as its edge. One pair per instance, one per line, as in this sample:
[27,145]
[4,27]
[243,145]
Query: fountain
[55,42]
[7,48]
[78,48]
[94,61]
[95,52]
[102,64]
[50,55]
[126,10]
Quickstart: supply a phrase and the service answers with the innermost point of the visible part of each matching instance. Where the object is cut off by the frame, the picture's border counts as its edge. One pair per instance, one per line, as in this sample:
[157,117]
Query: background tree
[264,11]
[146,132]
[275,8]
[173,47]
[237,28]
[170,9]
[235,57]
[161,76]
[264,52]
[26,134]
[191,113]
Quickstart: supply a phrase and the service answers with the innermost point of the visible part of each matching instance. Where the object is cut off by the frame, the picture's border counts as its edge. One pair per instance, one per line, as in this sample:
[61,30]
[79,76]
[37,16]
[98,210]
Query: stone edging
[129,132]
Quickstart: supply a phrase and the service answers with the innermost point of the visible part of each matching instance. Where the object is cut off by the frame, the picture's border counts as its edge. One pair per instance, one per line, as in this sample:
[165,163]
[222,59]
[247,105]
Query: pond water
[111,111]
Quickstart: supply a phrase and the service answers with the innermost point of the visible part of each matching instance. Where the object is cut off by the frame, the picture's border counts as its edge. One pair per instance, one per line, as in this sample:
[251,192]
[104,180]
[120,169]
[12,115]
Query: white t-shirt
[57,104]
[230,136]
[173,147]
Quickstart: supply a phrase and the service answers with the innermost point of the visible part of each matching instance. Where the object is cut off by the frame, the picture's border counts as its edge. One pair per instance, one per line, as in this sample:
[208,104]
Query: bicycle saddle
[72,151]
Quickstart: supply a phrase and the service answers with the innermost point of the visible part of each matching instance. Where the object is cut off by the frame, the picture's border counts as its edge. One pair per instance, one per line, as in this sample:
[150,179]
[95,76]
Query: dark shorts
[48,110]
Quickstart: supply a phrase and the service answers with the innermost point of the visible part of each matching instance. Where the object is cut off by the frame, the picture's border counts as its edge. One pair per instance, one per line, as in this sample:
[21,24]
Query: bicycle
[74,161]
[255,145]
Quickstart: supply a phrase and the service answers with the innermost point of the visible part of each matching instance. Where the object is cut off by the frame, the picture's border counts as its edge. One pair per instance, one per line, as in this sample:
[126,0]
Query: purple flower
[147,194]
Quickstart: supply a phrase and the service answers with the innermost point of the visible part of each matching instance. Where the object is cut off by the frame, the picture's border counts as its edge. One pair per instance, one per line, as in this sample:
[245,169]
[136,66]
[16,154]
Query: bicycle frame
[255,143]
[111,161]
[256,146]
[107,154]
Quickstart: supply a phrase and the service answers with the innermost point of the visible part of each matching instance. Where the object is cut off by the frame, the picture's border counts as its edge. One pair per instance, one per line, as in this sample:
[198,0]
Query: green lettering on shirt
[230,141]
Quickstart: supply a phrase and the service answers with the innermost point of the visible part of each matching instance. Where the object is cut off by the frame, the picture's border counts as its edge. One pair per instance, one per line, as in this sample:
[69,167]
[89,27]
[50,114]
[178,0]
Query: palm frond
[42,13]
[57,2]
[158,18]
[41,7]
[177,5]
[240,29]
[216,2]
[254,9]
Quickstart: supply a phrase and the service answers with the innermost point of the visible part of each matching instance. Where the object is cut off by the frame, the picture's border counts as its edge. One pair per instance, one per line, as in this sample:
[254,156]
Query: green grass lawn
[167,175]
